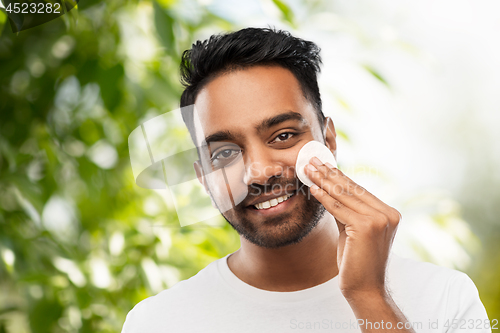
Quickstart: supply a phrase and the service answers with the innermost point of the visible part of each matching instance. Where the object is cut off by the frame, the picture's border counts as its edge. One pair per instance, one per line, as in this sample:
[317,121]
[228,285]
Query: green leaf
[286,11]
[344,103]
[110,80]
[376,74]
[16,19]
[342,134]
[44,315]
[164,23]
[3,19]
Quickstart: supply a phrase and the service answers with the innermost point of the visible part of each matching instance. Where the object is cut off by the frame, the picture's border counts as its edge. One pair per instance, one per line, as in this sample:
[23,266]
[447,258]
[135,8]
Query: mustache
[275,185]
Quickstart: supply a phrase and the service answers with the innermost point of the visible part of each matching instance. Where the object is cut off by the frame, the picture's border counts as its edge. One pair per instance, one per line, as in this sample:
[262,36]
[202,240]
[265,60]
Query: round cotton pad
[308,151]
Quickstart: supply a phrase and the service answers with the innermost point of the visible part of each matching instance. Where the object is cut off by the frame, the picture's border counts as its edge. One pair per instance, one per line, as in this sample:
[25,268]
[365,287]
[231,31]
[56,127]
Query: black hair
[245,48]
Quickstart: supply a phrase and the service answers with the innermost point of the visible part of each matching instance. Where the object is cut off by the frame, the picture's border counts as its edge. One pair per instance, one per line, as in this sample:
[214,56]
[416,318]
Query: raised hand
[367,227]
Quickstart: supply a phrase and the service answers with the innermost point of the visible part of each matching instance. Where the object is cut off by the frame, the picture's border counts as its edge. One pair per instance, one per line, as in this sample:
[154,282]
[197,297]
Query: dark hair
[245,48]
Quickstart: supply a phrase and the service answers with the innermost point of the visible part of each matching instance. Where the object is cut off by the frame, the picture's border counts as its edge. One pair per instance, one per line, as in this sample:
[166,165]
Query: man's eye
[224,157]
[284,136]
[225,154]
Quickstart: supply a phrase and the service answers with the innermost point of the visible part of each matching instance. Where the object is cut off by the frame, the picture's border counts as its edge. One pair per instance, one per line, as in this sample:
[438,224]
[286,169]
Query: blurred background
[410,85]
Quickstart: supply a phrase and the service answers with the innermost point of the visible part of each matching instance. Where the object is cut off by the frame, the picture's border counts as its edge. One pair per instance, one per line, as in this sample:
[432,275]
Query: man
[311,259]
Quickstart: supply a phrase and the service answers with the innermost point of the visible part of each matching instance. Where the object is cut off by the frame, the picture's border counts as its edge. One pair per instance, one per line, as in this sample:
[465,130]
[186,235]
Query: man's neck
[294,267]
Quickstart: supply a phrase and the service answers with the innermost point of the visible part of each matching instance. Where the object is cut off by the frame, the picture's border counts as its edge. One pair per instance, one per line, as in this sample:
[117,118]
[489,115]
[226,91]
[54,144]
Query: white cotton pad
[308,151]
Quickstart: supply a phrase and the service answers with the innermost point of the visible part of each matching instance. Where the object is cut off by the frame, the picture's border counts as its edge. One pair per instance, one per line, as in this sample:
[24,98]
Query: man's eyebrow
[221,136]
[273,121]
[265,124]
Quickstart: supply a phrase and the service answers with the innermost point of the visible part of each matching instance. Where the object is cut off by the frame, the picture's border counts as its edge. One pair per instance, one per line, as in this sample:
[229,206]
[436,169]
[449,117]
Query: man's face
[254,122]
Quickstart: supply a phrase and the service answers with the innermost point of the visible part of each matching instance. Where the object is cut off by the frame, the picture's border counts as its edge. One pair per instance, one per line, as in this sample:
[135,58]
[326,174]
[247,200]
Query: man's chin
[280,227]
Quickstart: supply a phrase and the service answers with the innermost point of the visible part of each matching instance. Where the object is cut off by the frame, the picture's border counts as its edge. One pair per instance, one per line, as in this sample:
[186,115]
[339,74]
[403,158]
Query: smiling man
[311,259]
[269,127]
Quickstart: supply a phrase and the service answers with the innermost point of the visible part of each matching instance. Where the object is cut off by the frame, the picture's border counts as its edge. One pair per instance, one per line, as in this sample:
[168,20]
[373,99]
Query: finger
[342,191]
[338,177]
[341,212]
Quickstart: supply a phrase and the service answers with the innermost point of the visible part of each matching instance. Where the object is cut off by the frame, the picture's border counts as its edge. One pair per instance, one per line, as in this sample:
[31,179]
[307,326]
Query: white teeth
[272,202]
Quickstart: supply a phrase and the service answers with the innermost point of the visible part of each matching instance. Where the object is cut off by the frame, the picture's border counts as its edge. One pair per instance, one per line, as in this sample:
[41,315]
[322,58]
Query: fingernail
[329,165]
[311,167]
[316,161]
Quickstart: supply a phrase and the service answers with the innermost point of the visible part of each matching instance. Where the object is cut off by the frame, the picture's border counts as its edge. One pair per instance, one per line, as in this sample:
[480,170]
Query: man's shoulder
[413,276]
[199,282]
[423,290]
[399,265]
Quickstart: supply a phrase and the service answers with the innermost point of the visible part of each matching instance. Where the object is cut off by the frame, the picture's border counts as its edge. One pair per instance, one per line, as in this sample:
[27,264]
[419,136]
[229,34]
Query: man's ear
[330,136]
[201,178]
[200,174]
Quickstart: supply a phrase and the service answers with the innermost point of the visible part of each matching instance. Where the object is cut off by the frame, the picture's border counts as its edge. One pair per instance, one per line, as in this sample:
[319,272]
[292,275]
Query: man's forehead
[242,101]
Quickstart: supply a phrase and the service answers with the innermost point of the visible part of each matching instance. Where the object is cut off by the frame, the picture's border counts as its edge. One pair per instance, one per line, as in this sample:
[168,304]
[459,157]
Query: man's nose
[260,166]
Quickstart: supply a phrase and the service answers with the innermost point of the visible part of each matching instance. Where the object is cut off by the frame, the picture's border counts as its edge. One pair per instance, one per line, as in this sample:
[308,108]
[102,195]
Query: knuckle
[380,221]
[371,226]
[351,188]
[360,190]
[337,204]
[330,172]
[340,190]
[395,216]
[382,218]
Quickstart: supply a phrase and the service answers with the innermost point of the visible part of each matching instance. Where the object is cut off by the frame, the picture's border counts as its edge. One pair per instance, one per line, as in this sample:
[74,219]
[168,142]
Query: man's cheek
[228,188]
[235,184]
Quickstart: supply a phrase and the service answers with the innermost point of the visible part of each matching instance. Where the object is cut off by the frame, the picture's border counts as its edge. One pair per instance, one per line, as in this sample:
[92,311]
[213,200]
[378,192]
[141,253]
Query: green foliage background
[64,88]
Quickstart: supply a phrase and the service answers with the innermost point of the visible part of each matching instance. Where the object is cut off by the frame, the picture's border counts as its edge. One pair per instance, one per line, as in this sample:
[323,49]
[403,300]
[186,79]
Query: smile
[273,202]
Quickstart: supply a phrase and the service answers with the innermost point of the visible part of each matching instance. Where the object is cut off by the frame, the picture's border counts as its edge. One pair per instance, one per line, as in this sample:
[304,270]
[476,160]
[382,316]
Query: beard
[284,229]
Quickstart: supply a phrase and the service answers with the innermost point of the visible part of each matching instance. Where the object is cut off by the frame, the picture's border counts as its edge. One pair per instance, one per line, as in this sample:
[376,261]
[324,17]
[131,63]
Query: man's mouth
[273,202]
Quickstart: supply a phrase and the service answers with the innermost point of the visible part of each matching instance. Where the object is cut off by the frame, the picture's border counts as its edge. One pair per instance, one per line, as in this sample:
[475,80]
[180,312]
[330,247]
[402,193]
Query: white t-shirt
[433,298]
